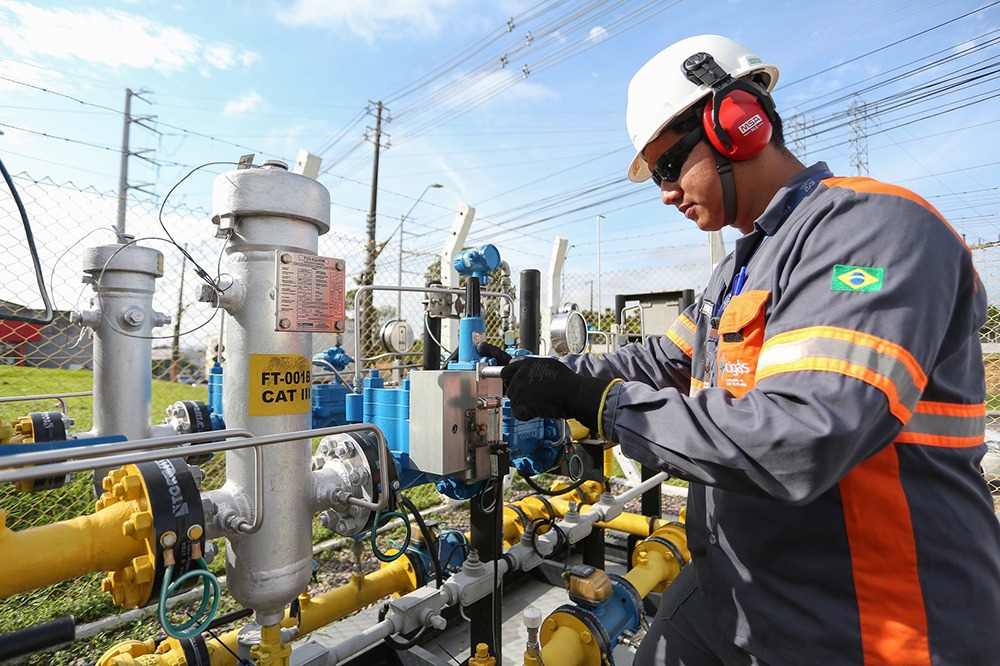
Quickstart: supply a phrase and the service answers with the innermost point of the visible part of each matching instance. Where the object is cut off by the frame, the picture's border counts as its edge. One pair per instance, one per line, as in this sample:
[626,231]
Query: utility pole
[600,311]
[175,349]
[123,185]
[859,137]
[366,316]
[798,132]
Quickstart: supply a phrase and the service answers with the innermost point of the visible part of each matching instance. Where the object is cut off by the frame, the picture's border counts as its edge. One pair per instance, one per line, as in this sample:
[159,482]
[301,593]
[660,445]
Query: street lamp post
[399,271]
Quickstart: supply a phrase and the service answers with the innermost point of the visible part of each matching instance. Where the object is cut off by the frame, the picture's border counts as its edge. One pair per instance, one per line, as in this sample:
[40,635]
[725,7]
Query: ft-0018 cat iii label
[279,384]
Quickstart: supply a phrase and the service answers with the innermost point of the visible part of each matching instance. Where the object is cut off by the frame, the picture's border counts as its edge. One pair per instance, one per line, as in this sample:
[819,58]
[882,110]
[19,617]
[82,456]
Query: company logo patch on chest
[857,278]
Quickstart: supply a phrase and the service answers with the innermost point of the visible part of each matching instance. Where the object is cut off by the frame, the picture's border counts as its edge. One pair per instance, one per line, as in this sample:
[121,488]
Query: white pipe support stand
[420,608]
[473,582]
[360,642]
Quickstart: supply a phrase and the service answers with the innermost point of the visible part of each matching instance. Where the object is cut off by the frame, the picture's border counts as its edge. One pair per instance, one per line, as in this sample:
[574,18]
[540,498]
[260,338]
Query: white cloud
[113,39]
[242,104]
[370,20]
[597,34]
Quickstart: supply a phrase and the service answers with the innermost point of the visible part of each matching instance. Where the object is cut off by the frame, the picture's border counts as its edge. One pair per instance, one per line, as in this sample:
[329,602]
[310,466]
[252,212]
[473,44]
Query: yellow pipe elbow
[51,553]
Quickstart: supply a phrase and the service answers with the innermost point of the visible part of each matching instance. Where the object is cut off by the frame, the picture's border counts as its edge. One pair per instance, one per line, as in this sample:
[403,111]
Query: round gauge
[568,333]
[397,336]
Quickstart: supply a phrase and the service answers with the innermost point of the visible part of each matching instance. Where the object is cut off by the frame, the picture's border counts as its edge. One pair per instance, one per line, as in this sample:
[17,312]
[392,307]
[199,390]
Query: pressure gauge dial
[397,336]
[568,333]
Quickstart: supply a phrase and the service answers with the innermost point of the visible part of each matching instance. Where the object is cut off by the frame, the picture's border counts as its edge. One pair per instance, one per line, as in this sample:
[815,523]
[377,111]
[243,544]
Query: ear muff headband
[739,115]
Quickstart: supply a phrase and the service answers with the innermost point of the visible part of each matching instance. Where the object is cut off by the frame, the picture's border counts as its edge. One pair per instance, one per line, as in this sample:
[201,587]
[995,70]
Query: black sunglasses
[668,167]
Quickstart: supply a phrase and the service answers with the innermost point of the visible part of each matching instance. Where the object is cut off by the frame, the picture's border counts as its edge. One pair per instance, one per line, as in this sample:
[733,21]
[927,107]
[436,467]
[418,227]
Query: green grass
[17,381]
[81,597]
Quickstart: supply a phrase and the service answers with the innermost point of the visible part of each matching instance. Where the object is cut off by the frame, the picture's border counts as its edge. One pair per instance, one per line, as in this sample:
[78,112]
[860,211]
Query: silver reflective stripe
[820,347]
[681,330]
[946,425]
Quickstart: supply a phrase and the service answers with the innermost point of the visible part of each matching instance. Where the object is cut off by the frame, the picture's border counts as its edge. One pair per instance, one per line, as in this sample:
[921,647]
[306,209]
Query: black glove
[545,387]
[494,352]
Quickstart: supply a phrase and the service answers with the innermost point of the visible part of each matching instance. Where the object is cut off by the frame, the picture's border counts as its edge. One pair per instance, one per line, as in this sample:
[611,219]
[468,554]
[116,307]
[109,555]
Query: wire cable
[428,539]
[202,618]
[49,312]
[380,518]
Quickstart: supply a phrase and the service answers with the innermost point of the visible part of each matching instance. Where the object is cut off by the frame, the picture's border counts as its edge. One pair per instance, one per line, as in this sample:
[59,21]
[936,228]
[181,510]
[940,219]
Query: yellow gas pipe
[566,641]
[51,553]
[314,612]
[534,508]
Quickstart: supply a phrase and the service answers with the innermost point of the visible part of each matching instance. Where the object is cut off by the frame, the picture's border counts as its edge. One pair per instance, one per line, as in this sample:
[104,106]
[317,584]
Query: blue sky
[537,146]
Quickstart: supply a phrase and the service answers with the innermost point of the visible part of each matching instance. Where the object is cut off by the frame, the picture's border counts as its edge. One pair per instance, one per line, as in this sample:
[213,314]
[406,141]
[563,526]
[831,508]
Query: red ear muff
[742,128]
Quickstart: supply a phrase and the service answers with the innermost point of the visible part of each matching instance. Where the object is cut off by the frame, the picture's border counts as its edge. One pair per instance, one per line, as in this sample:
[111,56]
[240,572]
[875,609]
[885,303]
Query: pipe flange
[347,464]
[596,644]
[670,541]
[39,428]
[166,514]
[187,417]
[633,595]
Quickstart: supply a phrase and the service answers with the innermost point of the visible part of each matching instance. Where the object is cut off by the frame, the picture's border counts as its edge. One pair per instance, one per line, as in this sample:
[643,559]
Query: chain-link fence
[57,358]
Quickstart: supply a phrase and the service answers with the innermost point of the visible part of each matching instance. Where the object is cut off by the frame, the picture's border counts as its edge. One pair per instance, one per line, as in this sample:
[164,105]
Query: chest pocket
[741,336]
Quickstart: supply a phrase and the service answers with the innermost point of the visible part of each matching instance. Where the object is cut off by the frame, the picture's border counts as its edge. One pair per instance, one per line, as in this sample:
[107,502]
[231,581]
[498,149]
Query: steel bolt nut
[207,294]
[343,449]
[134,317]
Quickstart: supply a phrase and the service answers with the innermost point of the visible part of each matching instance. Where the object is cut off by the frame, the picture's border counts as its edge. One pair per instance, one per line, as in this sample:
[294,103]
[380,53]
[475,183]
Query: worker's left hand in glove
[545,387]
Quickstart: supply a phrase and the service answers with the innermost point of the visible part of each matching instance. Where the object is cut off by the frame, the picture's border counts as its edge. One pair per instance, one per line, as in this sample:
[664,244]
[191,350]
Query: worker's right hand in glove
[546,388]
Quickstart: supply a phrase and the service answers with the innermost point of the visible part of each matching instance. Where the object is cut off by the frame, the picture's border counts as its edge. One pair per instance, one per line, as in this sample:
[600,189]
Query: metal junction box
[454,416]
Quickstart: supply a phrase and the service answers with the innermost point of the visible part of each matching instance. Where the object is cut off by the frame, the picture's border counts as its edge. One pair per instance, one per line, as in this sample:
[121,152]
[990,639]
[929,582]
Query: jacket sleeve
[658,362]
[841,369]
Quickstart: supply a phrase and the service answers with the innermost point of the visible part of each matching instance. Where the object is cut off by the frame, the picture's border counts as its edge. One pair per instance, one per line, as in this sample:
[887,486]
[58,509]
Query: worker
[824,396]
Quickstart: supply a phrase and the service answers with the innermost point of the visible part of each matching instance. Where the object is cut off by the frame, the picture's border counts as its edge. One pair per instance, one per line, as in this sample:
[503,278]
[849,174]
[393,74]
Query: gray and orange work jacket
[830,416]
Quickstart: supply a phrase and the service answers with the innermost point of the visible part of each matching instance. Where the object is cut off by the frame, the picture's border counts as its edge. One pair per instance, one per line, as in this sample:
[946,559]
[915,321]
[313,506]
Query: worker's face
[697,192]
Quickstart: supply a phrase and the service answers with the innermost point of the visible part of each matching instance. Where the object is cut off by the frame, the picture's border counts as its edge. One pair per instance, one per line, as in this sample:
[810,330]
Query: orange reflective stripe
[681,333]
[870,185]
[858,184]
[884,563]
[951,409]
[945,424]
[939,440]
[873,360]
[696,385]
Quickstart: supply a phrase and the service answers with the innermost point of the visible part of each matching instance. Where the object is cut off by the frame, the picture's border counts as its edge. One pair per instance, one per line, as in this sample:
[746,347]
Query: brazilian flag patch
[857,278]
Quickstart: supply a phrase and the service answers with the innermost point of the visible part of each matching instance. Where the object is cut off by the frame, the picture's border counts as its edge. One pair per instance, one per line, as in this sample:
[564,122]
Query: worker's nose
[670,194]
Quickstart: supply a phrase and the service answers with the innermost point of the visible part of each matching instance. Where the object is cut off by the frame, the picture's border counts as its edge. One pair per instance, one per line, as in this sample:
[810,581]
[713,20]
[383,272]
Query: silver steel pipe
[46,463]
[45,396]
[97,450]
[632,493]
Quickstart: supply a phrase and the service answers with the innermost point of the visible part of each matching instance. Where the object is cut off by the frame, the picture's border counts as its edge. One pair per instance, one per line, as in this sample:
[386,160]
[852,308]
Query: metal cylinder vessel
[263,212]
[123,319]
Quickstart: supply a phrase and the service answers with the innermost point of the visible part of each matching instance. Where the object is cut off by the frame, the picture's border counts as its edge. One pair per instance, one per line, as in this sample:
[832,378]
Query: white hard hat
[659,93]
